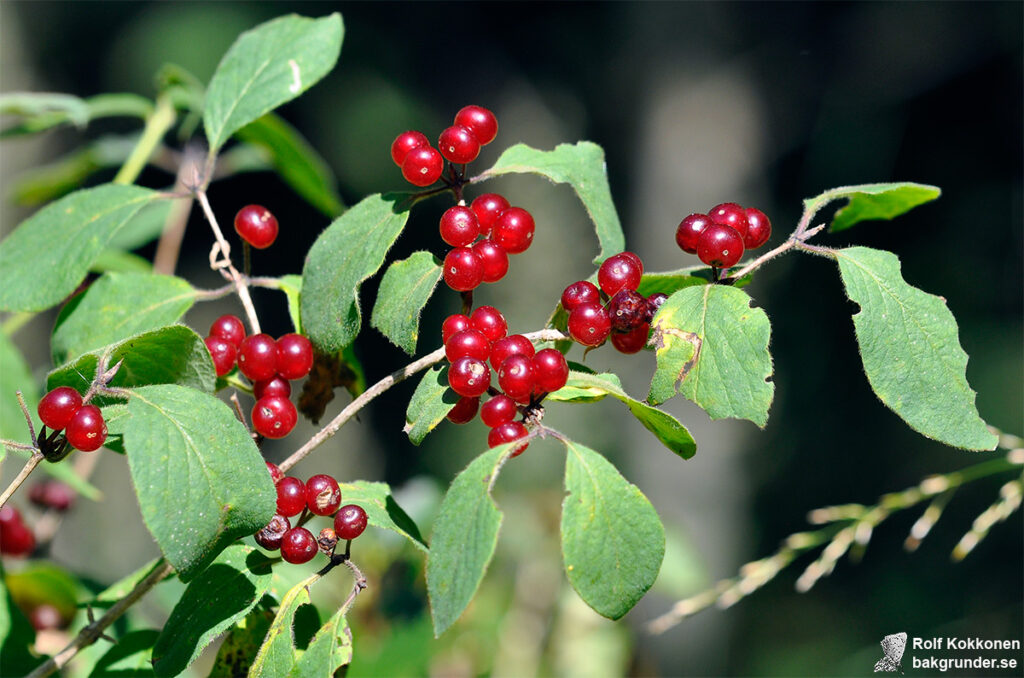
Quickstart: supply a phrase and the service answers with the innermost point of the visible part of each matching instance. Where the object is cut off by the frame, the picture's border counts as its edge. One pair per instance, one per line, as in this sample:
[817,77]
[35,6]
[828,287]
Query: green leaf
[187,450]
[266,67]
[32,104]
[872,201]
[351,250]
[381,509]
[116,306]
[465,534]
[330,649]
[15,375]
[145,227]
[612,539]
[16,635]
[220,595]
[169,355]
[291,285]
[234,658]
[46,257]
[296,161]
[403,292]
[276,656]
[583,167]
[42,110]
[131,656]
[116,261]
[430,404]
[911,352]
[123,586]
[712,346]
[669,282]
[582,387]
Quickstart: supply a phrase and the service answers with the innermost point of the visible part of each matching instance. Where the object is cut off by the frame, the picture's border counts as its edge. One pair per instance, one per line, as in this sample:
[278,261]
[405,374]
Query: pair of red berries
[16,539]
[504,229]
[256,225]
[720,237]
[422,165]
[62,410]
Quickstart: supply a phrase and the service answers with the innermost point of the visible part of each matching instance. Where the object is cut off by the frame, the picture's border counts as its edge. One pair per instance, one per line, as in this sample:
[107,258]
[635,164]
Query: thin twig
[796,240]
[28,417]
[357,587]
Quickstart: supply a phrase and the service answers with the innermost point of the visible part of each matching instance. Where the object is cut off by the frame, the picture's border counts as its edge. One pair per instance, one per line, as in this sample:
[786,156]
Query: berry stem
[467,302]
[798,240]
[246,259]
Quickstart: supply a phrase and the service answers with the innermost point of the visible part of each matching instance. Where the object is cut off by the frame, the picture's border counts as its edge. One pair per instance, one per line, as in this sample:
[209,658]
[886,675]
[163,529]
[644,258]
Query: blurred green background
[695,104]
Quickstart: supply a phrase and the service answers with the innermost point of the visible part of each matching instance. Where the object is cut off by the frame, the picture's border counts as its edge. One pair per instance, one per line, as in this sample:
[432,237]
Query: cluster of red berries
[502,230]
[16,539]
[525,375]
[720,236]
[459,144]
[257,226]
[268,364]
[320,496]
[62,410]
[615,309]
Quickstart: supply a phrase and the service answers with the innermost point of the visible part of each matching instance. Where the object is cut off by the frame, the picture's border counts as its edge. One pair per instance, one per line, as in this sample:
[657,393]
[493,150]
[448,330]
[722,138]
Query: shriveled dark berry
[270,536]
[627,310]
[654,302]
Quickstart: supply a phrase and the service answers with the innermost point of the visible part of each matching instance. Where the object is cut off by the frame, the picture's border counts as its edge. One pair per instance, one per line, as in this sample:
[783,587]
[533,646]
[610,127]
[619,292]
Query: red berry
[480,121]
[257,359]
[270,537]
[459,226]
[452,324]
[458,144]
[627,310]
[15,537]
[274,416]
[495,260]
[759,229]
[622,271]
[291,496]
[52,494]
[298,545]
[45,617]
[720,246]
[514,344]
[422,166]
[294,356]
[86,431]
[589,324]
[498,410]
[275,473]
[464,410]
[730,214]
[472,343]
[406,142]
[516,378]
[277,386]
[469,377]
[350,522]
[228,327]
[223,353]
[507,433]
[58,406]
[633,341]
[513,230]
[550,370]
[654,302]
[580,292]
[490,321]
[257,226]
[688,230]
[323,496]
[463,269]
[488,207]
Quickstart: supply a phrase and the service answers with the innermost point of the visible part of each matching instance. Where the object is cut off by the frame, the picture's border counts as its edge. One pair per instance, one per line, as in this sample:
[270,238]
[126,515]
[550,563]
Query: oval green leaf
[234,658]
[330,649]
[404,290]
[131,656]
[868,202]
[430,404]
[276,656]
[381,509]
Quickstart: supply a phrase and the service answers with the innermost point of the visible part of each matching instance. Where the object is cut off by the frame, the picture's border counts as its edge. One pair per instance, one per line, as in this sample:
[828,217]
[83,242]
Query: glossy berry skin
[52,494]
[490,322]
[579,293]
[277,386]
[323,496]
[516,378]
[270,537]
[459,226]
[58,406]
[406,142]
[550,370]
[298,545]
[488,207]
[275,472]
[507,433]
[654,302]
[730,214]
[86,431]
[257,359]
[480,121]
[631,342]
[720,246]
[223,353]
[514,344]
[759,228]
[274,416]
[257,226]
[229,328]
[513,230]
[688,231]
[463,269]
[472,343]
[422,166]
[589,324]
[452,324]
[294,356]
[291,496]
[458,144]
[499,410]
[350,522]
[469,377]
[15,537]
[627,310]
[495,259]
[620,271]
[464,410]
